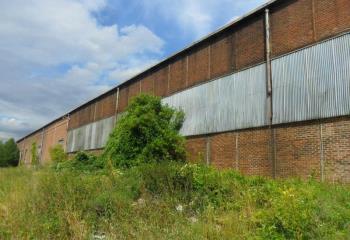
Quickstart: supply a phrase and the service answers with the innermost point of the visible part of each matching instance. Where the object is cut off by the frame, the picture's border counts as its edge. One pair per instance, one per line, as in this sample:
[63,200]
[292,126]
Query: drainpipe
[66,140]
[116,105]
[268,59]
[321,153]
[42,145]
[269,91]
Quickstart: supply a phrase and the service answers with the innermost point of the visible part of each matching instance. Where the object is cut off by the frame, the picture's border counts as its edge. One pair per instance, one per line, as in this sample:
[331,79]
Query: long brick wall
[318,148]
[294,24]
[52,135]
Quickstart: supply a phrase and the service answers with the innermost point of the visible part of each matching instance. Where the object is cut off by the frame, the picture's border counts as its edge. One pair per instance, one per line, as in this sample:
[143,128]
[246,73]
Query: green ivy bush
[82,162]
[57,154]
[34,154]
[148,132]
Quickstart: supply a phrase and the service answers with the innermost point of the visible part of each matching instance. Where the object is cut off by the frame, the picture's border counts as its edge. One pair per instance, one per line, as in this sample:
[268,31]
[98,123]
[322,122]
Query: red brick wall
[147,85]
[161,80]
[26,146]
[198,66]
[123,99]
[52,136]
[105,107]
[253,152]
[134,90]
[249,45]
[82,116]
[178,75]
[221,53]
[336,149]
[331,17]
[246,151]
[291,26]
[223,150]
[298,150]
[196,149]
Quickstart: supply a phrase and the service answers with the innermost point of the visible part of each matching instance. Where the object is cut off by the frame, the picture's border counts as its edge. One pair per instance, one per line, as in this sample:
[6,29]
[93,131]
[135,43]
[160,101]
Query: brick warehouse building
[269,95]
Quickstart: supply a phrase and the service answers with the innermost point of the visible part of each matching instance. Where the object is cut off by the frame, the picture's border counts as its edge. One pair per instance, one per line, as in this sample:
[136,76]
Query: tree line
[9,153]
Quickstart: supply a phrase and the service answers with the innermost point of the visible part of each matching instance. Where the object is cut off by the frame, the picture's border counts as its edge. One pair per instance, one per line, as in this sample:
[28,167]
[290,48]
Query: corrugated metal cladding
[308,84]
[90,136]
[233,102]
[312,83]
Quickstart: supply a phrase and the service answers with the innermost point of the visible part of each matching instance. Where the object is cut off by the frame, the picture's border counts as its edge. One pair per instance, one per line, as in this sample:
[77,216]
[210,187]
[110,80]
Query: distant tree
[9,153]
[2,160]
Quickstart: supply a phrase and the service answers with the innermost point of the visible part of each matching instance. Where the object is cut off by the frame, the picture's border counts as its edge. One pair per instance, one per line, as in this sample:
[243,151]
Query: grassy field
[167,201]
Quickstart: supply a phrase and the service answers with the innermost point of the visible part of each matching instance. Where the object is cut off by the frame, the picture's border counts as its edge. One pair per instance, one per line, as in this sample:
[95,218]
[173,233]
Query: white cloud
[13,126]
[54,55]
[55,32]
[199,17]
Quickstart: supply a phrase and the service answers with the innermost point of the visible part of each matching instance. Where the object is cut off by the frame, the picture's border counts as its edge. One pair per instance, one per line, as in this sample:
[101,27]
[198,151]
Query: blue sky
[54,55]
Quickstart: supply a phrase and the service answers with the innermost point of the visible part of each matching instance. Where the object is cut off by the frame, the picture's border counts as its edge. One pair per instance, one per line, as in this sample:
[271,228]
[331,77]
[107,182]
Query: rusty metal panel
[312,83]
[90,136]
[234,102]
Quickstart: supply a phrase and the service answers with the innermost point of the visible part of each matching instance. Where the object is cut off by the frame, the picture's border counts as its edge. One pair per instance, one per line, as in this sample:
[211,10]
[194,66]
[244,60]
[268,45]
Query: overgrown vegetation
[9,153]
[34,154]
[57,154]
[168,201]
[141,188]
[149,132]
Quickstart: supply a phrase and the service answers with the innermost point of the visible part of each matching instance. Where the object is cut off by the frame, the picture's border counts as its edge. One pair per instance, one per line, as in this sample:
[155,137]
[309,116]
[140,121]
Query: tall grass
[167,201]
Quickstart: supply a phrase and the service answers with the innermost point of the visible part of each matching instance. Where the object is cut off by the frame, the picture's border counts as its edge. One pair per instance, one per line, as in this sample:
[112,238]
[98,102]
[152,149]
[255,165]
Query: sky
[57,54]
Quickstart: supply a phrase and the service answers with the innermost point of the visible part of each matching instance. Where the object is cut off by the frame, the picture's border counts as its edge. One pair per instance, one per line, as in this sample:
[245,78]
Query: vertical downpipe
[321,153]
[208,150]
[42,145]
[237,152]
[169,69]
[67,125]
[116,105]
[269,91]
[187,60]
